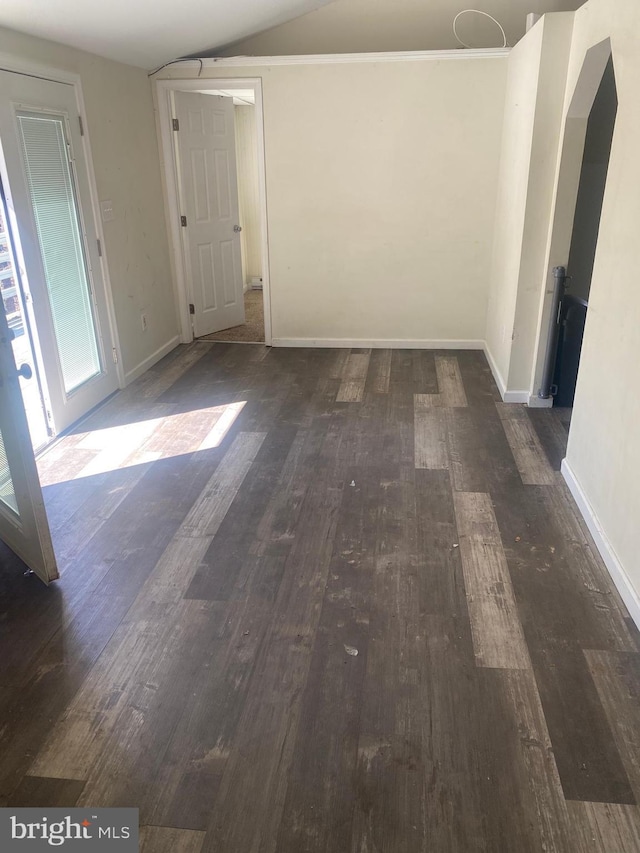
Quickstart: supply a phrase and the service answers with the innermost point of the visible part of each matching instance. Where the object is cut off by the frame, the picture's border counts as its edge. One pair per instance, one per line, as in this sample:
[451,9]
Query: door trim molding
[163,95]
[19,65]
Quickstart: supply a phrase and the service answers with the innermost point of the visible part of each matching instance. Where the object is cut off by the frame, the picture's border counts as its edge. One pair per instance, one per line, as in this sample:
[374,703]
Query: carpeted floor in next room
[252,330]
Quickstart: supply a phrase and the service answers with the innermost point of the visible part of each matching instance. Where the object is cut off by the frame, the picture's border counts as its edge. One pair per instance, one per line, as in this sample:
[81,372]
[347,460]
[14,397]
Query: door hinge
[175,123]
[183,221]
[99,247]
[81,123]
[192,308]
[115,355]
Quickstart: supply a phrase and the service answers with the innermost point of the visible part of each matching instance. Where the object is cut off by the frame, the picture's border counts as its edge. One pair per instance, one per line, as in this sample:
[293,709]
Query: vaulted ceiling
[150,32]
[360,26]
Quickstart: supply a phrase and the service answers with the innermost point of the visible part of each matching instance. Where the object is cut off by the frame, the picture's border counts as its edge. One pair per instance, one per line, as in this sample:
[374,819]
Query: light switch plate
[106,210]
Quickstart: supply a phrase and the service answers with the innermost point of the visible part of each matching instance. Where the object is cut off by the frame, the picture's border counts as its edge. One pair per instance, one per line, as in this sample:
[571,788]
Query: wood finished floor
[322,600]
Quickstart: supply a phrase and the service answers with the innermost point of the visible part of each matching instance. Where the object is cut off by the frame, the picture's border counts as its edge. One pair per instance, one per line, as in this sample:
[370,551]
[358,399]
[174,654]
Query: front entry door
[23,521]
[50,213]
[209,189]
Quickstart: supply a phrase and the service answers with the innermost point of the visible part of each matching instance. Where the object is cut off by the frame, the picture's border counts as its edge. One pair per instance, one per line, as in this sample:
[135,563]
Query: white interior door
[49,209]
[23,521]
[209,192]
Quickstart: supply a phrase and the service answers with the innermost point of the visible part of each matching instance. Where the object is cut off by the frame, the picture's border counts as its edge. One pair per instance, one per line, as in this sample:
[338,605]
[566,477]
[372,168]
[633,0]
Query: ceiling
[148,32]
[363,26]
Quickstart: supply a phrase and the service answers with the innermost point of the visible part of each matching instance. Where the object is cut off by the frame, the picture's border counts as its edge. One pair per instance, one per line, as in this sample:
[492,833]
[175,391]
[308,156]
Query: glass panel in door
[23,520]
[50,203]
[53,198]
[21,331]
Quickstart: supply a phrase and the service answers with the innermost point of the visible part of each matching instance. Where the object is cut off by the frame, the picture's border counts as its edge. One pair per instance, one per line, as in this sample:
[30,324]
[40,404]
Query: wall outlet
[106,210]
[143,322]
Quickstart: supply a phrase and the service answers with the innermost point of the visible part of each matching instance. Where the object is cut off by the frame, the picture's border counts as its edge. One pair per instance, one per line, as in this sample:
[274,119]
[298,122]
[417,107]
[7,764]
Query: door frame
[164,93]
[573,132]
[18,65]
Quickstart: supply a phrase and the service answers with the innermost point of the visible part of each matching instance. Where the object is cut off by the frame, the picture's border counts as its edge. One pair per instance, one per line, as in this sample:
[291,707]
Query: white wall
[361,26]
[248,191]
[535,273]
[603,457]
[122,129]
[604,444]
[381,180]
[533,114]
[513,184]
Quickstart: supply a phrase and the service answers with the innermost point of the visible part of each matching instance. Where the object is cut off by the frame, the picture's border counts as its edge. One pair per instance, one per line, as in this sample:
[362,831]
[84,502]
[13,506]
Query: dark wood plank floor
[322,600]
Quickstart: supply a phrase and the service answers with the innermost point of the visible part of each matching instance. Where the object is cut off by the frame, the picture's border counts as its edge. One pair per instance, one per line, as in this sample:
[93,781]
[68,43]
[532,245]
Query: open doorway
[213,142]
[584,239]
[584,160]
[246,146]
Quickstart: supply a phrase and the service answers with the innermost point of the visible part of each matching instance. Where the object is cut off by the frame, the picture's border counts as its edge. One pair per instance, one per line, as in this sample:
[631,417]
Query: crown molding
[337,59]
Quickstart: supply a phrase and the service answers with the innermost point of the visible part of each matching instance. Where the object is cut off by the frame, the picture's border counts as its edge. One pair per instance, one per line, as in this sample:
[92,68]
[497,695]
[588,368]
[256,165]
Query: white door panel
[49,200]
[23,521]
[207,164]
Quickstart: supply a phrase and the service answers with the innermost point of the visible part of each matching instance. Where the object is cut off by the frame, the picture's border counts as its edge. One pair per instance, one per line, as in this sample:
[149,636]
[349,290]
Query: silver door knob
[237,228]
[25,371]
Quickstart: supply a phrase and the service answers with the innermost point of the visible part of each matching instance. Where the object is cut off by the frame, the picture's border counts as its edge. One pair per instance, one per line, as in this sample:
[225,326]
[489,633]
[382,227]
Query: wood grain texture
[495,624]
[270,718]
[354,377]
[79,739]
[589,761]
[38,792]
[560,617]
[552,429]
[424,379]
[162,839]
[617,681]
[291,623]
[317,815]
[537,793]
[380,370]
[531,459]
[430,439]
[605,827]
[390,771]
[450,381]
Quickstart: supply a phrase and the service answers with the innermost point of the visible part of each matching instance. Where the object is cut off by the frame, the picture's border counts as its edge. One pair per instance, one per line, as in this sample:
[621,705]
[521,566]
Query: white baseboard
[382,343]
[507,396]
[494,369]
[613,564]
[148,362]
[515,396]
[536,402]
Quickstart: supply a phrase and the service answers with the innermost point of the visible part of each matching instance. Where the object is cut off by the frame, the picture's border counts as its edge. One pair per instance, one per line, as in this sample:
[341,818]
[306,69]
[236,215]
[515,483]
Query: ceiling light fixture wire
[173,62]
[486,15]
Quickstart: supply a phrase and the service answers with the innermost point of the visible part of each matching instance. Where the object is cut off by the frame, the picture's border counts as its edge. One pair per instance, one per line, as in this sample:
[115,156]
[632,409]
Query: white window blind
[7,494]
[53,197]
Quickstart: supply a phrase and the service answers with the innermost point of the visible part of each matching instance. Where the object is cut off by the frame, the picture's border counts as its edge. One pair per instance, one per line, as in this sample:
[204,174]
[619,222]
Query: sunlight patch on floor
[141,442]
